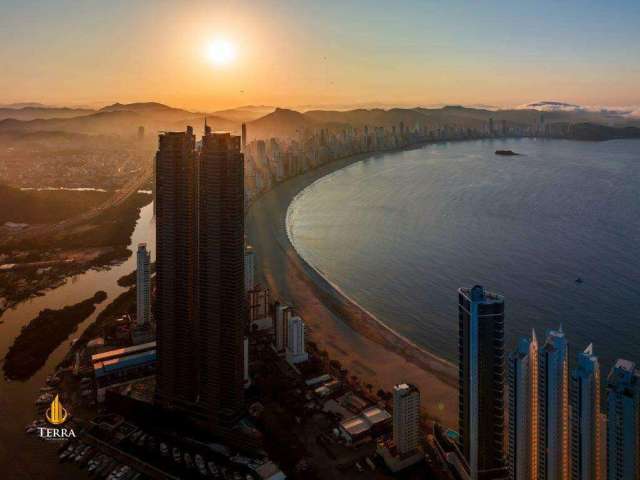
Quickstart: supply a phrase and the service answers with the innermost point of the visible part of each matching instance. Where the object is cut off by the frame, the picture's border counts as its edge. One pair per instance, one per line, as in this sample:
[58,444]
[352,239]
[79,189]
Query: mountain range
[265,122]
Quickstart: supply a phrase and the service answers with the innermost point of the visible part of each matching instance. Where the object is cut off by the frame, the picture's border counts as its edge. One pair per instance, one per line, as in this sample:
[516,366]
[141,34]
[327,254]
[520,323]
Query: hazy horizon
[296,54]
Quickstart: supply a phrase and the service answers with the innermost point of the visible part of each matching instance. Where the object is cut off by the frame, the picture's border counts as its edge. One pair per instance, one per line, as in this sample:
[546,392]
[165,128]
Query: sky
[296,53]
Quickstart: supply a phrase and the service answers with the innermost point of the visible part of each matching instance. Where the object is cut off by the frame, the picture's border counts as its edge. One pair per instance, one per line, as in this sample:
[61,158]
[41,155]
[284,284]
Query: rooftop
[355,425]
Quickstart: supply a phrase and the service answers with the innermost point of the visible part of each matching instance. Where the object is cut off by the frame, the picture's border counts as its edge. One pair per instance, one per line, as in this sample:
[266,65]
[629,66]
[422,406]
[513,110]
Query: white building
[406,418]
[295,341]
[249,268]
[143,285]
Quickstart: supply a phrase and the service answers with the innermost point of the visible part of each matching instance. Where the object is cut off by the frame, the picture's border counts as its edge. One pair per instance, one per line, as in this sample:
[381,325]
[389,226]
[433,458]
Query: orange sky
[296,53]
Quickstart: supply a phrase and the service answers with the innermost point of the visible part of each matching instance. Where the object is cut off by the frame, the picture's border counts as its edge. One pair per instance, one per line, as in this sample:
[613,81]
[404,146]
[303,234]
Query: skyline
[294,54]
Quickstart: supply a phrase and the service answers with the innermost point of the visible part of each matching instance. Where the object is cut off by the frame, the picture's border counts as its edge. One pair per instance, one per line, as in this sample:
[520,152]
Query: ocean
[555,229]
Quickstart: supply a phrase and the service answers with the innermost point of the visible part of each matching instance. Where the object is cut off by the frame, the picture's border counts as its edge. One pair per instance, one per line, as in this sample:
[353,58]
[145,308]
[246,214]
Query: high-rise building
[295,340]
[249,268]
[221,282]
[200,304]
[523,410]
[244,138]
[143,285]
[623,422]
[481,382]
[245,363]
[585,417]
[406,418]
[553,404]
[176,259]
[281,316]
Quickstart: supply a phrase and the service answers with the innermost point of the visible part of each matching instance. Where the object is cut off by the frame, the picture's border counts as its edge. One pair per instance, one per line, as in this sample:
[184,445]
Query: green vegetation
[123,304]
[45,206]
[129,279]
[42,336]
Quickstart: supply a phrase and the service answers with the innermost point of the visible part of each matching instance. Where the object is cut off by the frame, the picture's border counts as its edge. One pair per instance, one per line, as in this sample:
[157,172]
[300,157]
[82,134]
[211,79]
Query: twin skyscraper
[200,306]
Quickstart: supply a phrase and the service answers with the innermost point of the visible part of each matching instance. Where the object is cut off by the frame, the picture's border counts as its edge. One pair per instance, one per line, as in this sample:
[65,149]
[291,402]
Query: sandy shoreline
[363,344]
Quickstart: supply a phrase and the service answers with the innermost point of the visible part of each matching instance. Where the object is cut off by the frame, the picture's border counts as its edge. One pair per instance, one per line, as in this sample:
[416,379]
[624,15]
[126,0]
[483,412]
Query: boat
[52,380]
[176,455]
[213,468]
[579,280]
[164,450]
[507,153]
[44,399]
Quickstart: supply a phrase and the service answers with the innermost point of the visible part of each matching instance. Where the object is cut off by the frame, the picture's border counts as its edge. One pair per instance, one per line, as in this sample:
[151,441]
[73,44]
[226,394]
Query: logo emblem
[56,413]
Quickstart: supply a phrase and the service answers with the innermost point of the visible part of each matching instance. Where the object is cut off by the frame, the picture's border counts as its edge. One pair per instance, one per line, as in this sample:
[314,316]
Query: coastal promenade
[363,345]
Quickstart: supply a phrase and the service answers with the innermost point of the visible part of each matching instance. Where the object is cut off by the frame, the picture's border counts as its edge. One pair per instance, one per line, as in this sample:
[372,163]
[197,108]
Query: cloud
[632,111]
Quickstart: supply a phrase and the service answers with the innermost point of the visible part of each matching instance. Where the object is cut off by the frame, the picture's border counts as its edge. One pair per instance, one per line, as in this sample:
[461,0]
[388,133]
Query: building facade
[623,422]
[553,404]
[249,268]
[295,340]
[406,418]
[176,262]
[585,417]
[200,303]
[481,382]
[281,316]
[143,285]
[523,410]
[221,282]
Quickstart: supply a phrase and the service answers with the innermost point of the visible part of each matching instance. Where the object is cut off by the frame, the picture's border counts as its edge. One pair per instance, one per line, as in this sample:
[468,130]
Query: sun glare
[221,52]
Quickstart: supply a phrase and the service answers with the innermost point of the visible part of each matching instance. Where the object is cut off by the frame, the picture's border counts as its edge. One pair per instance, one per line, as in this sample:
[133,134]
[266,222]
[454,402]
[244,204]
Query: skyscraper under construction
[200,300]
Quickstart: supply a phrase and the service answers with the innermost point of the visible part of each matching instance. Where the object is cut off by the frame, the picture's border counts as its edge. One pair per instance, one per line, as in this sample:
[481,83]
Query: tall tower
[585,417]
[623,422]
[143,285]
[221,282]
[406,418]
[244,138]
[176,259]
[553,402]
[523,410]
[249,268]
[481,381]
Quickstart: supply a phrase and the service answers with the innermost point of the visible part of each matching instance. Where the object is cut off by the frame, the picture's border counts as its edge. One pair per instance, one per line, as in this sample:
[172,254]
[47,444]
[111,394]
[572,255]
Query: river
[23,456]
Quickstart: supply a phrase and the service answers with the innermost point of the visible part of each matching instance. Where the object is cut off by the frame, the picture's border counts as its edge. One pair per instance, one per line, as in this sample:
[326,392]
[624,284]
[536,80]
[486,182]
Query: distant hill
[36,112]
[97,123]
[120,119]
[244,114]
[265,121]
[280,123]
[376,117]
[149,109]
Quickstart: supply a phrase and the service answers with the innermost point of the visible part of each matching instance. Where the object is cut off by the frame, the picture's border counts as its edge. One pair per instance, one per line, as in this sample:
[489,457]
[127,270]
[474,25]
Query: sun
[221,52]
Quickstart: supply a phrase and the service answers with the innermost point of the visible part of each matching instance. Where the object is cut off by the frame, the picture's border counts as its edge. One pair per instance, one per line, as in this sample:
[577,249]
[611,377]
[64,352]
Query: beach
[361,343]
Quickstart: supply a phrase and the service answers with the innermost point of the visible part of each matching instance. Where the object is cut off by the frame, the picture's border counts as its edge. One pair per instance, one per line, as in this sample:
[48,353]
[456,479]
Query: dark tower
[176,255]
[481,382]
[221,276]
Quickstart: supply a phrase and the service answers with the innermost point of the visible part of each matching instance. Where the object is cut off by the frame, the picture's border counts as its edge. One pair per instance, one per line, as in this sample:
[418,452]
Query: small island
[43,334]
[507,153]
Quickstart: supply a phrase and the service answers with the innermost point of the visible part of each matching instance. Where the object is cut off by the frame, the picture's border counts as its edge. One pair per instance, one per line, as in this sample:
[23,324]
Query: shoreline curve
[364,344]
